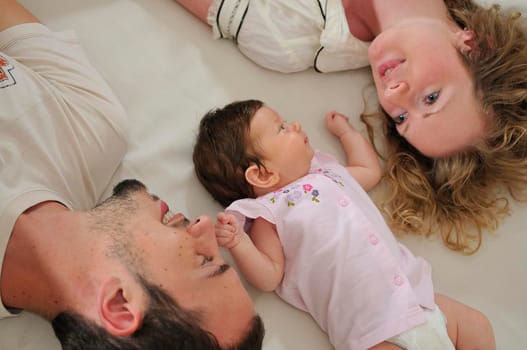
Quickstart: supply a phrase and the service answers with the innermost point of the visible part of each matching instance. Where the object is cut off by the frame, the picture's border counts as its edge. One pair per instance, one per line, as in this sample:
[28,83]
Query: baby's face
[284,146]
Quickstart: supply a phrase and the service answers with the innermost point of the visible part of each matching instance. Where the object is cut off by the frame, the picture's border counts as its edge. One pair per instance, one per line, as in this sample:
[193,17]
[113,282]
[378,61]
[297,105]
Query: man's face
[183,258]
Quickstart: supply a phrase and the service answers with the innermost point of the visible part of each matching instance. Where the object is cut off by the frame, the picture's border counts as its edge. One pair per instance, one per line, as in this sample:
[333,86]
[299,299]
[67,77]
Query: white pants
[290,36]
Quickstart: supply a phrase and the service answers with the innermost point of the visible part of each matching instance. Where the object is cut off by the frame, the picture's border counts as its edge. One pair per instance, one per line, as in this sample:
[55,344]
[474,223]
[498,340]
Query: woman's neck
[361,17]
[368,18]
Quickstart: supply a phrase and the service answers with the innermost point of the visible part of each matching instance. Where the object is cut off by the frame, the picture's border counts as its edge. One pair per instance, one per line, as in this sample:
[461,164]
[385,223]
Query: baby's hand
[228,231]
[338,124]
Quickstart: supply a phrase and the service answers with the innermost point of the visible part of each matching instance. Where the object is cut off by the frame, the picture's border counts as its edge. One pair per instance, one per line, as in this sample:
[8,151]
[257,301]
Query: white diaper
[290,36]
[431,335]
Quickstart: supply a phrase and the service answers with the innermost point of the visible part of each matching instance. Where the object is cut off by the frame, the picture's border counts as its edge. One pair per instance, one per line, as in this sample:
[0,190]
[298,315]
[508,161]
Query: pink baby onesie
[343,264]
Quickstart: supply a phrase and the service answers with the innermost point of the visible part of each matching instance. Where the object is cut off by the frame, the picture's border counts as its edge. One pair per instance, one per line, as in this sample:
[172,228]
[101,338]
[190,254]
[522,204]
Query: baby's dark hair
[223,151]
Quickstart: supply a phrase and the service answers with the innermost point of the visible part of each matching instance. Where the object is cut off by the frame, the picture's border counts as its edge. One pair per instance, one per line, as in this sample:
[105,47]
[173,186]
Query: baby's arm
[362,161]
[260,257]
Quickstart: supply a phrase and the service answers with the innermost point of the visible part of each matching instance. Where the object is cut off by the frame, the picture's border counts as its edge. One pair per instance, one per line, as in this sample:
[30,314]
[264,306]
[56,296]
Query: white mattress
[167,71]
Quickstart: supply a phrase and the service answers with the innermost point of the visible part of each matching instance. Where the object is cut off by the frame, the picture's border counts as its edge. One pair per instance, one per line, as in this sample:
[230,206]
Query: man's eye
[401,118]
[432,98]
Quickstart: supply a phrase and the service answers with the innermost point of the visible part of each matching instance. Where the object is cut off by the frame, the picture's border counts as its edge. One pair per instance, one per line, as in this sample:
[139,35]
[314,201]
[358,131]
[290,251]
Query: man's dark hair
[125,187]
[165,325]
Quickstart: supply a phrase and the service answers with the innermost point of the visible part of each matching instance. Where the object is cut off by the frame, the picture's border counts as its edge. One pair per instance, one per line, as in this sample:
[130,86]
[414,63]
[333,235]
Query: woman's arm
[198,8]
[259,257]
[362,162]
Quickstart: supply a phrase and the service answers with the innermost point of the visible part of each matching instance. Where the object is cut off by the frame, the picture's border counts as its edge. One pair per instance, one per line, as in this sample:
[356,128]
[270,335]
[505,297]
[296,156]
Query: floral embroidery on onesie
[294,193]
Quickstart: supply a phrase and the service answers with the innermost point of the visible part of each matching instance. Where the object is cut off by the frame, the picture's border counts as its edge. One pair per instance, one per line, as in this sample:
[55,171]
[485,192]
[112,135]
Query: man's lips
[164,208]
[176,219]
[167,217]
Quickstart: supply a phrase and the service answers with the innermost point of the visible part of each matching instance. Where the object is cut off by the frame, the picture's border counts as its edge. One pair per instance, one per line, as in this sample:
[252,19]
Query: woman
[452,176]
[450,77]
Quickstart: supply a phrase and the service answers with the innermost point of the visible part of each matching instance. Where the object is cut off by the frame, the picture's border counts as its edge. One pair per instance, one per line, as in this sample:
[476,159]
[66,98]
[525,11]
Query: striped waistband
[230,17]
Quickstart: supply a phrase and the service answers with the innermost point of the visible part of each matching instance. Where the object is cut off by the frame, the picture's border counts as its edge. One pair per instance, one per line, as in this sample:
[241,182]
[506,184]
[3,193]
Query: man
[126,274]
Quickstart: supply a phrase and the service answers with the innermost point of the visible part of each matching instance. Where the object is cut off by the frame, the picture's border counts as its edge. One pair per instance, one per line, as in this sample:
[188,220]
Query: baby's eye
[401,118]
[432,98]
[206,259]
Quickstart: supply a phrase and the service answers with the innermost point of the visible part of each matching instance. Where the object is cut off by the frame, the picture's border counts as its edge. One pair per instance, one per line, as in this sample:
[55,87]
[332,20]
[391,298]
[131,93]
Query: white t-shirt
[62,130]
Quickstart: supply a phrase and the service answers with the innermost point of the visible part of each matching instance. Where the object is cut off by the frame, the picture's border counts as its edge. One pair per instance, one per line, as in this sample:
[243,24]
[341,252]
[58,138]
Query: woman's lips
[386,68]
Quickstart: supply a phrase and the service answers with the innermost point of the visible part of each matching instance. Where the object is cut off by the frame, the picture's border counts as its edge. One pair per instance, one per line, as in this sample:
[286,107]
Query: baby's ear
[260,177]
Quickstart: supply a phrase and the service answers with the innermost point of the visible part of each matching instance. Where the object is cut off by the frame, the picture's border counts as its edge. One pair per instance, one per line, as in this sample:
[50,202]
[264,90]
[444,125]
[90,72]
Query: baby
[302,225]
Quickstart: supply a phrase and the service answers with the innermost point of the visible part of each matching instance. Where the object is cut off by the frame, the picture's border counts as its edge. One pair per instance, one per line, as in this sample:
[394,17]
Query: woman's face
[423,85]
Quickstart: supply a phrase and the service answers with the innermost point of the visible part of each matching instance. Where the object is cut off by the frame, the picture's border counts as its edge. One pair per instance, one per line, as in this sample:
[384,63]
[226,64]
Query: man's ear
[465,40]
[261,177]
[121,307]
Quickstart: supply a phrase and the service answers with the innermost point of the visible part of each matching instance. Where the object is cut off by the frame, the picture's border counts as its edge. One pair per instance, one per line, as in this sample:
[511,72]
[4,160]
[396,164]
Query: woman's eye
[432,98]
[401,118]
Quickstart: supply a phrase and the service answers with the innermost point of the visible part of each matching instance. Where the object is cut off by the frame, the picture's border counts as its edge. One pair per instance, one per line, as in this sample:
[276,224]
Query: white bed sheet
[167,71]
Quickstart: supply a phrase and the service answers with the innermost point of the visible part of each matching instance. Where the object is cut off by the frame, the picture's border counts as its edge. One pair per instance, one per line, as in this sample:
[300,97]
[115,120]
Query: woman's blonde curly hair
[463,195]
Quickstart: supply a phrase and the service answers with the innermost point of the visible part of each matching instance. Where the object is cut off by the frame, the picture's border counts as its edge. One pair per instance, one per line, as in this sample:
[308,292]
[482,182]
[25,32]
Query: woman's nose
[396,89]
[202,229]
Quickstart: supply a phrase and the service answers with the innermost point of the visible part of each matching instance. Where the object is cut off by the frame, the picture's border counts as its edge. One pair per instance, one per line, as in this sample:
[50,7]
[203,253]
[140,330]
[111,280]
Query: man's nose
[202,229]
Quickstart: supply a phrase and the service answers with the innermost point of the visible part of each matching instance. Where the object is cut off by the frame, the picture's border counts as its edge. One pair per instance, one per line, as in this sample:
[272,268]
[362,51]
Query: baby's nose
[296,127]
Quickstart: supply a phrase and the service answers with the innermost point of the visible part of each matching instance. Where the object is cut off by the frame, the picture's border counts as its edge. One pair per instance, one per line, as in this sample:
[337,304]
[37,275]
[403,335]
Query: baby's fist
[338,124]
[227,230]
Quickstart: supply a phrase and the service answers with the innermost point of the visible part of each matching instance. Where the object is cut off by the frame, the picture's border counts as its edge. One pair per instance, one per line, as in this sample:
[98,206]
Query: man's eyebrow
[220,271]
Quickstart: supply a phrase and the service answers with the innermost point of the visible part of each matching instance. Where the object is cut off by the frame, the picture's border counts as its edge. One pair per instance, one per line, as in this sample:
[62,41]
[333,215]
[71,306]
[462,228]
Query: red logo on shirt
[6,78]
